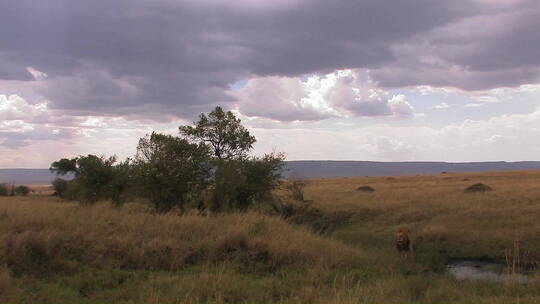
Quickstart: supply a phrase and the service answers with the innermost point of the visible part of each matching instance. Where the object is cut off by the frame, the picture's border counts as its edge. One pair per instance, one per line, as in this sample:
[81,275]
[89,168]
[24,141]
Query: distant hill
[328,169]
[27,176]
[322,169]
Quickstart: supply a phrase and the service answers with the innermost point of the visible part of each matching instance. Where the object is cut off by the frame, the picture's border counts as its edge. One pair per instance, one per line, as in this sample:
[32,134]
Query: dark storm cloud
[494,49]
[179,57]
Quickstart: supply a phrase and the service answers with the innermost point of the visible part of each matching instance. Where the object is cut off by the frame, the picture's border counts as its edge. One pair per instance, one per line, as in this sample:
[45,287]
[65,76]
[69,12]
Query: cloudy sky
[344,79]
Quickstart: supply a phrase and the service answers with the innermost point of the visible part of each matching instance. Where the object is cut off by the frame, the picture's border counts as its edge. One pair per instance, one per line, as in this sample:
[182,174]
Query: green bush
[95,178]
[22,190]
[240,184]
[60,187]
[4,190]
[122,185]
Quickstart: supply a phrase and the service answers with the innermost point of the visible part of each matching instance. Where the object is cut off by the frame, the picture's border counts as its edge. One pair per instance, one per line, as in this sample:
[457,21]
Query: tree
[92,177]
[238,180]
[64,166]
[172,171]
[222,131]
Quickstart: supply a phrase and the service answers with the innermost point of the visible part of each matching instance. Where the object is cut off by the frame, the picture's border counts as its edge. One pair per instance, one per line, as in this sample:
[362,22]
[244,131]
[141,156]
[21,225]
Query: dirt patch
[365,189]
[478,188]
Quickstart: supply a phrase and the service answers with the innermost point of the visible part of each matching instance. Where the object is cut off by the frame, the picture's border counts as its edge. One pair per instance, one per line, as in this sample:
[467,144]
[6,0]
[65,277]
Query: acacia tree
[238,181]
[172,171]
[92,177]
[223,132]
[64,166]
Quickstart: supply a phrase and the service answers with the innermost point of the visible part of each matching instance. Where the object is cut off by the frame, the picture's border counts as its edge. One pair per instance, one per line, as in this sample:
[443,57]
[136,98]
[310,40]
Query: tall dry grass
[57,252]
[47,236]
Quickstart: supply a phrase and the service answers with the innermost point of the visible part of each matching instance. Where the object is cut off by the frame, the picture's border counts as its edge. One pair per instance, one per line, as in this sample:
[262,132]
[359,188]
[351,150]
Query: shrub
[365,189]
[4,190]
[478,187]
[95,178]
[22,190]
[60,187]
[123,182]
[296,189]
[240,184]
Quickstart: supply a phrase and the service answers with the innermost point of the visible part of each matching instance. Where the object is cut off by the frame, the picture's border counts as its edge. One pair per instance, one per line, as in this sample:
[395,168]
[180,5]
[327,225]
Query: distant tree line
[207,166]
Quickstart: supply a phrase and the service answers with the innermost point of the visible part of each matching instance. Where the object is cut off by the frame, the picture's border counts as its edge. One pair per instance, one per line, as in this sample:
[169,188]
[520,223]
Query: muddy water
[486,271]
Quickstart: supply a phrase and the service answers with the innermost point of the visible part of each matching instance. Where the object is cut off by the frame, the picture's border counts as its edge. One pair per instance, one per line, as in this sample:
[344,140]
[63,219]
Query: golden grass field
[53,251]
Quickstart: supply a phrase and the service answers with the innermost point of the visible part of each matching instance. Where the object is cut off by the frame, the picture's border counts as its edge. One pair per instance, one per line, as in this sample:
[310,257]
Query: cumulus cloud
[281,98]
[33,135]
[400,107]
[491,139]
[14,107]
[21,122]
[342,93]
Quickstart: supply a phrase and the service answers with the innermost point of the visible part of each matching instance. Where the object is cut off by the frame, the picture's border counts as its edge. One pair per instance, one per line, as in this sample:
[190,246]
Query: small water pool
[476,270]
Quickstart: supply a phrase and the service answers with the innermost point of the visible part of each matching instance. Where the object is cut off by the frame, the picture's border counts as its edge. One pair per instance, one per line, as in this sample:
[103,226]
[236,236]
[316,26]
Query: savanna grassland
[56,251]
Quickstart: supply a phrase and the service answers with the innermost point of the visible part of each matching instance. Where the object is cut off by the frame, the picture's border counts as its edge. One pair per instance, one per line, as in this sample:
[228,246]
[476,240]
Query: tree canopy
[171,170]
[64,166]
[223,132]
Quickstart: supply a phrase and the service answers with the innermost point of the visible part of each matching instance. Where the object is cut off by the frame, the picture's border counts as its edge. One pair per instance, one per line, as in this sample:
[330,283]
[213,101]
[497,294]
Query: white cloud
[343,93]
[442,105]
[471,140]
[400,107]
[34,135]
[486,99]
[429,90]
[474,105]
[14,107]
[14,126]
[38,75]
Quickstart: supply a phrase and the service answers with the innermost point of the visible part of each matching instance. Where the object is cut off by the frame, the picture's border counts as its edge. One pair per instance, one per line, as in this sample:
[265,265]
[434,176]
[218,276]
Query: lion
[403,243]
